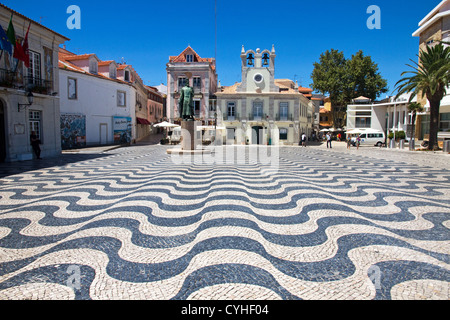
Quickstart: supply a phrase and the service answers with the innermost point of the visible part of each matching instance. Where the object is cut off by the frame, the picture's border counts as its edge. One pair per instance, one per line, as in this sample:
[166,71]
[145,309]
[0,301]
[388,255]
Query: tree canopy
[345,79]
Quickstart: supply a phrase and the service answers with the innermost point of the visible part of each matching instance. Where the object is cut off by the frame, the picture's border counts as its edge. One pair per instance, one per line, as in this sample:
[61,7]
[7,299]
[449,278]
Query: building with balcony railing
[18,118]
[262,109]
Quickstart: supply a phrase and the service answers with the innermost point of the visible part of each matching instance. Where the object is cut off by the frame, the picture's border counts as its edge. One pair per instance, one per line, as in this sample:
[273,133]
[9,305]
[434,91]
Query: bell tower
[258,71]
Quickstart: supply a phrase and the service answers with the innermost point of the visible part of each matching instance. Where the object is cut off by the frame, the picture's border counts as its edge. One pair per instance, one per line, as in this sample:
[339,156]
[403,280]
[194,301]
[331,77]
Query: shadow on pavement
[8,169]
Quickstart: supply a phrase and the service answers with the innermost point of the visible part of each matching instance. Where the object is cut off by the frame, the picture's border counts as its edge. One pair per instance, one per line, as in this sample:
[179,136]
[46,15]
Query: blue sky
[146,33]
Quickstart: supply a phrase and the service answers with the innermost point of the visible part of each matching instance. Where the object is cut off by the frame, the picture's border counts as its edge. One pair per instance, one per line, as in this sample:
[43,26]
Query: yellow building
[435,27]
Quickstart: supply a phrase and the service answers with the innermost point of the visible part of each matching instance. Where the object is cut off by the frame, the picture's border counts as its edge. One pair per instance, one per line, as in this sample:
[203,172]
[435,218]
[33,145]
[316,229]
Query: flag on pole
[4,42]
[21,50]
[11,33]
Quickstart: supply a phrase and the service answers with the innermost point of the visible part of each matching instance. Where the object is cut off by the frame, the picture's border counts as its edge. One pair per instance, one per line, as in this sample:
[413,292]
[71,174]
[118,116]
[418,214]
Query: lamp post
[30,98]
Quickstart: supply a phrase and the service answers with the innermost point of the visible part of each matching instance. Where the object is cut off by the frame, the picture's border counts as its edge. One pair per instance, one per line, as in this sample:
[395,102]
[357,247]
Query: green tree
[430,78]
[345,79]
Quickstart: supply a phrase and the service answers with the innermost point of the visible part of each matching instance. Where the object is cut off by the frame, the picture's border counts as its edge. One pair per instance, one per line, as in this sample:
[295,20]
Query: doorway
[257,135]
[2,133]
[103,133]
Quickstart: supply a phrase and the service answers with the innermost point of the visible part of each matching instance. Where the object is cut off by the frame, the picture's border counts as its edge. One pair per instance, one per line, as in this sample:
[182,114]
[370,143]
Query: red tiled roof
[182,57]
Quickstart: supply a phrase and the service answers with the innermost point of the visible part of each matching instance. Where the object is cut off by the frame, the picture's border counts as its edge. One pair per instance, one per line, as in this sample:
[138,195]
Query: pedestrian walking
[329,141]
[303,139]
[349,142]
[35,143]
[358,142]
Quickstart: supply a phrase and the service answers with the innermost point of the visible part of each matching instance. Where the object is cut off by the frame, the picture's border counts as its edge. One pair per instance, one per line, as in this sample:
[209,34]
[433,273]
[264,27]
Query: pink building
[203,80]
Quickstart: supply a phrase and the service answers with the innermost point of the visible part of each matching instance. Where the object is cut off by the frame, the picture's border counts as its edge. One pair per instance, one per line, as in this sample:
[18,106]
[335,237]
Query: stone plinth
[188,135]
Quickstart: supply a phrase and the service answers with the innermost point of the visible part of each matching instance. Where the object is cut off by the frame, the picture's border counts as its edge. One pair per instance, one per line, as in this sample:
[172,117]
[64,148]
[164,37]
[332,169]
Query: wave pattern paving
[134,225]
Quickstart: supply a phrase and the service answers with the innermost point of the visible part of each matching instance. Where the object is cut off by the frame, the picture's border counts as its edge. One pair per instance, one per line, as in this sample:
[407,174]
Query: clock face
[258,78]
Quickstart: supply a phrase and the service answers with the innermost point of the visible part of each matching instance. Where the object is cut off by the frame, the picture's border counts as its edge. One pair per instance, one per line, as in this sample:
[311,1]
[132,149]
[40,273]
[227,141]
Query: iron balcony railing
[235,117]
[11,79]
[284,117]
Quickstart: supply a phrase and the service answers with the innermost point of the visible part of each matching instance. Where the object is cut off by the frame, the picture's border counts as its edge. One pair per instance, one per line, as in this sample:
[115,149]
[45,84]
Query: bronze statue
[186,103]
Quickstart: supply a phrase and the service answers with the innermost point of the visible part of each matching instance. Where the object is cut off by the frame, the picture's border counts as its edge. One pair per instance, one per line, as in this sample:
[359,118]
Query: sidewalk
[437,159]
[149,140]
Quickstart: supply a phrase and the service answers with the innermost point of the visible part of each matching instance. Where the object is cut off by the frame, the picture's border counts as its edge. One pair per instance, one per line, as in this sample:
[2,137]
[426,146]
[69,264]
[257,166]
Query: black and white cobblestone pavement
[131,223]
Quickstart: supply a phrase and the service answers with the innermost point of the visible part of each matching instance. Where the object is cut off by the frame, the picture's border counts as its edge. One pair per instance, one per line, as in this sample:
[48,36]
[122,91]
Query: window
[197,107]
[121,99]
[283,134]
[35,123]
[189,58]
[231,109]
[284,108]
[444,124]
[257,110]
[34,71]
[181,83]
[127,75]
[197,83]
[363,122]
[72,89]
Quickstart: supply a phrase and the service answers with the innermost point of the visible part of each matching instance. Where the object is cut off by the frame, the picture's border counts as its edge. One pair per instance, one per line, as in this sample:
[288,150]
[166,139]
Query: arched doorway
[2,133]
[257,135]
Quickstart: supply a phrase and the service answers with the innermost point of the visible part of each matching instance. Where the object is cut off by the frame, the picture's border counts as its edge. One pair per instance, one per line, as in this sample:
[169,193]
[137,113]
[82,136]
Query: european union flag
[4,42]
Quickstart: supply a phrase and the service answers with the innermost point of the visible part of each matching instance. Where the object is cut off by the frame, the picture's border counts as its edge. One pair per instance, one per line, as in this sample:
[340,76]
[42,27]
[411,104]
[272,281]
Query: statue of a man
[186,103]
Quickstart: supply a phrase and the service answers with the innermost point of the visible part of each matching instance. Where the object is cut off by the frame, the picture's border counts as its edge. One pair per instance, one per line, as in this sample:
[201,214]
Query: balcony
[284,117]
[235,117]
[257,117]
[38,85]
[9,79]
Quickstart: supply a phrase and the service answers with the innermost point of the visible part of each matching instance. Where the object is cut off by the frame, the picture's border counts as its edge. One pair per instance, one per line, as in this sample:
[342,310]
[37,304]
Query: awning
[143,121]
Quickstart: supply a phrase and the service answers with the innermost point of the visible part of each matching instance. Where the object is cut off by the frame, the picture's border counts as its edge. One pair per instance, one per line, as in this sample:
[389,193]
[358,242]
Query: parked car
[367,137]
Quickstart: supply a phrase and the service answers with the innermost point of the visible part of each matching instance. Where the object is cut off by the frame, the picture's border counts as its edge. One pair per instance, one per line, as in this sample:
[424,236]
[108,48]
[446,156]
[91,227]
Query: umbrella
[166,124]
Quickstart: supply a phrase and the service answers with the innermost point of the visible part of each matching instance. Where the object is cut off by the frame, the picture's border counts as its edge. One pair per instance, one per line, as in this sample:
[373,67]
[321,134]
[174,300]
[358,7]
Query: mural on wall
[73,131]
[122,129]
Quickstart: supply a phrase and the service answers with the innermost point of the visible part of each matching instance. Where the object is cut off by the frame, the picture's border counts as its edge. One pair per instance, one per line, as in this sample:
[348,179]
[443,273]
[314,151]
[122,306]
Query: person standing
[329,141]
[304,140]
[349,142]
[35,143]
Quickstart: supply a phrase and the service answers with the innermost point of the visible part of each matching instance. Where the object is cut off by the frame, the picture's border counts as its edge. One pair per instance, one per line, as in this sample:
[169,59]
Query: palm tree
[413,108]
[429,78]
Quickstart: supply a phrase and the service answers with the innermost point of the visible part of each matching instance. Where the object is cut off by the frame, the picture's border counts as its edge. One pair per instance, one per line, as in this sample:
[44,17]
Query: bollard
[446,146]
[412,144]
[392,144]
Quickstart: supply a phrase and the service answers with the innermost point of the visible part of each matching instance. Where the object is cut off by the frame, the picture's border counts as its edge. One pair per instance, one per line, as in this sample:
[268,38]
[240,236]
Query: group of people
[328,138]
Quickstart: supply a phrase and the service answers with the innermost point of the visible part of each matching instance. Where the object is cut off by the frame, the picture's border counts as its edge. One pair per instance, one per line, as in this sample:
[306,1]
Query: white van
[368,137]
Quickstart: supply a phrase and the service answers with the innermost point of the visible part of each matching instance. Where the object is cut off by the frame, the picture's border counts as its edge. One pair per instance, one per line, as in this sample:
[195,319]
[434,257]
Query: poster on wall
[73,131]
[122,130]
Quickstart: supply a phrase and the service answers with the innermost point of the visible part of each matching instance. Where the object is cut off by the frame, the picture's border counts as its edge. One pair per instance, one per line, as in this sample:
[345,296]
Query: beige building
[262,109]
[18,118]
[433,28]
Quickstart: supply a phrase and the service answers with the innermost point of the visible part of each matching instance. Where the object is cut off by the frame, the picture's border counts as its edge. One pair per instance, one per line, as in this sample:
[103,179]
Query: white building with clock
[261,109]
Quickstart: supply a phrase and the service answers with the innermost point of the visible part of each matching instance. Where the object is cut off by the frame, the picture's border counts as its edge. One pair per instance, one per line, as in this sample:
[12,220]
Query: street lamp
[30,98]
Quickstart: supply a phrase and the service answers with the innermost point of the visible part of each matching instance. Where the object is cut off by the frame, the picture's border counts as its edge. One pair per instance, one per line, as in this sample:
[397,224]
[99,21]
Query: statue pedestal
[189,140]
[189,135]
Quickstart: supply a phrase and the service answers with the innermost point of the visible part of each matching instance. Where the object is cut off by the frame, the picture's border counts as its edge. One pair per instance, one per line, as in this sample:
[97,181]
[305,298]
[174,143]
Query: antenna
[41,18]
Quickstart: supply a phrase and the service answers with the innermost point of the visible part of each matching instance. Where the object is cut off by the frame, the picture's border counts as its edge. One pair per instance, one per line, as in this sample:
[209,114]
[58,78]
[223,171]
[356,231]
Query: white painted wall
[97,99]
